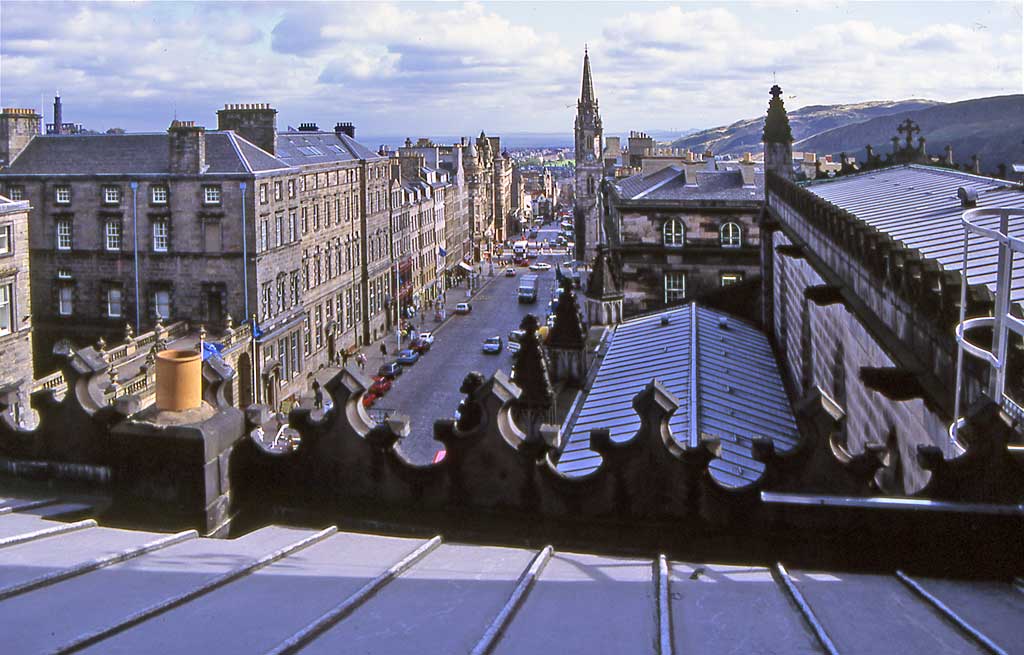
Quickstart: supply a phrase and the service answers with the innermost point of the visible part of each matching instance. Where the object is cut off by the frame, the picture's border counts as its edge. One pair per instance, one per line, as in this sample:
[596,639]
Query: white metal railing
[991,224]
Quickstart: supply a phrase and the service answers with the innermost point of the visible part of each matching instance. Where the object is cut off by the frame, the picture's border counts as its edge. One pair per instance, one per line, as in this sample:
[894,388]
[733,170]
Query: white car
[540,266]
[428,337]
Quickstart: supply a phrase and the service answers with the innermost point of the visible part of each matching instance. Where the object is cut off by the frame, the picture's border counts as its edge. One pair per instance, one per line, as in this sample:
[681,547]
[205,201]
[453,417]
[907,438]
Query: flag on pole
[442,252]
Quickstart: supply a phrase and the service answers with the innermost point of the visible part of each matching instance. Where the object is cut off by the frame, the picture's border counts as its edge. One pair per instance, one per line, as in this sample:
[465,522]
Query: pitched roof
[134,154]
[299,148]
[721,371]
[919,206]
[673,183]
[8,206]
[602,283]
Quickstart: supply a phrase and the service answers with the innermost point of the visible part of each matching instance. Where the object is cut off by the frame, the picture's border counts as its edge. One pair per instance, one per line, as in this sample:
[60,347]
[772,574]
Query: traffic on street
[429,387]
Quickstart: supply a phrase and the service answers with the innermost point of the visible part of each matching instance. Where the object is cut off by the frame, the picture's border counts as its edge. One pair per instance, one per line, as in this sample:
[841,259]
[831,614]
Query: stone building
[589,168]
[15,307]
[290,229]
[863,278]
[683,228]
[480,180]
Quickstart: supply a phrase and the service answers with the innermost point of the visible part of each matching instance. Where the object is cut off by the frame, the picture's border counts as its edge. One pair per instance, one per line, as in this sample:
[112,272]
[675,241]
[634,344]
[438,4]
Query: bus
[519,248]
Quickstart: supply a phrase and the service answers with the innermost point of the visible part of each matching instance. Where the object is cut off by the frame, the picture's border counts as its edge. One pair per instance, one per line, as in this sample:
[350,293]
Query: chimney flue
[347,129]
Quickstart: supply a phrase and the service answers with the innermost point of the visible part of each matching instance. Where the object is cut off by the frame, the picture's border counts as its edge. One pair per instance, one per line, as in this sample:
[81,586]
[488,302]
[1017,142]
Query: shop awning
[466,267]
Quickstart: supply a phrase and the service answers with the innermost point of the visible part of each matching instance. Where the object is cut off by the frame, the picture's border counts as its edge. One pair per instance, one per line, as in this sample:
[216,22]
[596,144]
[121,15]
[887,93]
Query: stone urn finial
[129,333]
[101,345]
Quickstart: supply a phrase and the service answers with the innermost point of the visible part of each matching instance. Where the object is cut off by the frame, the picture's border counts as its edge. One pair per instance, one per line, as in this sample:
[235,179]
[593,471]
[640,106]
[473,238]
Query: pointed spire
[602,283]
[587,93]
[567,332]
[530,370]
[776,124]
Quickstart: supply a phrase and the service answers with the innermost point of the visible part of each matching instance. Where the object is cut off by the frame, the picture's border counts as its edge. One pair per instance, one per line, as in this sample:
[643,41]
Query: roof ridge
[238,151]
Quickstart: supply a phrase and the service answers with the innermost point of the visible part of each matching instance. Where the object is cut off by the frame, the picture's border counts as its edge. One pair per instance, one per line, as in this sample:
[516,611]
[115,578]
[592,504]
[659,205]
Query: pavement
[429,390]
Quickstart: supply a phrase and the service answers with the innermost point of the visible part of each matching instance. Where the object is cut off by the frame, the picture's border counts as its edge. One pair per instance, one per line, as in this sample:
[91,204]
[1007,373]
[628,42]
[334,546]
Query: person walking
[383,349]
[318,395]
[361,358]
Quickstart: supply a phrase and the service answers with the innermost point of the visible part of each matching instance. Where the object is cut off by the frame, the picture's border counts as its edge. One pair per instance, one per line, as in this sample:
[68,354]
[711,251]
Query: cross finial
[908,128]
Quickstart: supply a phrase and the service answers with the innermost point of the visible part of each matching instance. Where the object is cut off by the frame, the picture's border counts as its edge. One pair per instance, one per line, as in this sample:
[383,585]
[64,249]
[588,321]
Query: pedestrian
[344,359]
[383,349]
[362,361]
[318,395]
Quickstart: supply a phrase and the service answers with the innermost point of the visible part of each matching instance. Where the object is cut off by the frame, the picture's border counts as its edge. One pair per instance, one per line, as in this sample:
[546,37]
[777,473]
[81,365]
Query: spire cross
[908,128]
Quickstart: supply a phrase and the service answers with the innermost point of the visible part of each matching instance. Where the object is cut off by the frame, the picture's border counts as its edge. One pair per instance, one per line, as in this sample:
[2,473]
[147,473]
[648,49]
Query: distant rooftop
[676,183]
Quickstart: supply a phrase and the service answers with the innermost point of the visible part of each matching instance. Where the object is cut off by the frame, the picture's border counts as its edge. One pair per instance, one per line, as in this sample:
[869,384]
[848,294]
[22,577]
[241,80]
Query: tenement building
[15,307]
[683,227]
[288,229]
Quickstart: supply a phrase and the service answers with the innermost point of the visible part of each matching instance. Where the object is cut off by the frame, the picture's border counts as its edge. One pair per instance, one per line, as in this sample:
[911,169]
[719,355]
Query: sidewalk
[374,359]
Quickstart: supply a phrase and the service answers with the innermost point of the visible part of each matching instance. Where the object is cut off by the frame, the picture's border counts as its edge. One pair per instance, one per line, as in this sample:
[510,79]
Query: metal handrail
[1001,322]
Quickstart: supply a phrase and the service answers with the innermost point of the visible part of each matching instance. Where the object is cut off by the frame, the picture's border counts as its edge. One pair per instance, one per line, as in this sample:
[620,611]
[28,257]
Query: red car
[380,386]
[369,398]
[419,345]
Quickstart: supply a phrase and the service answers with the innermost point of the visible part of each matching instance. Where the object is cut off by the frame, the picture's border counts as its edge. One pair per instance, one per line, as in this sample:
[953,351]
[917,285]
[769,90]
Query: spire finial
[587,92]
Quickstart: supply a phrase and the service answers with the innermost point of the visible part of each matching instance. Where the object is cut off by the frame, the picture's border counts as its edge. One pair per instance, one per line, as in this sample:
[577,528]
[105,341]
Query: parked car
[427,337]
[463,308]
[369,398]
[407,357]
[510,272]
[540,266]
[391,370]
[381,385]
[515,336]
[492,345]
[419,346]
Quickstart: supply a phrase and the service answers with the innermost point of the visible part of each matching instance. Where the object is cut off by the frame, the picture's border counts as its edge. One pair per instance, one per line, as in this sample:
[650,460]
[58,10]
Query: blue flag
[441,251]
[256,331]
[212,349]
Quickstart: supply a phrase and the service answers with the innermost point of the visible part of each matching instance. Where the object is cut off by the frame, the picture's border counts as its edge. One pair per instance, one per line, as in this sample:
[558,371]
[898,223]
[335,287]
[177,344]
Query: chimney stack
[345,128]
[187,145]
[17,128]
[256,123]
[308,127]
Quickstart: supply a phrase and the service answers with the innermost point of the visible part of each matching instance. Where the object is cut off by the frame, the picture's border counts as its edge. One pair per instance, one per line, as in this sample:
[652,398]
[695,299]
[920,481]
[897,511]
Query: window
[159,236]
[674,232]
[277,190]
[293,341]
[675,287]
[282,296]
[307,340]
[263,194]
[292,232]
[112,232]
[279,229]
[731,235]
[263,235]
[265,302]
[111,195]
[6,243]
[729,279]
[18,193]
[211,195]
[113,302]
[64,300]
[162,304]
[61,194]
[6,308]
[63,234]
[316,217]
[319,327]
[159,195]
[282,358]
[305,220]
[63,273]
[291,188]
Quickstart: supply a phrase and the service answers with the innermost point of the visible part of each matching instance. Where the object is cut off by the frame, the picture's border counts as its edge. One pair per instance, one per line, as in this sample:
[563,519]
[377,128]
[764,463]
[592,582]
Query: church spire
[776,124]
[587,93]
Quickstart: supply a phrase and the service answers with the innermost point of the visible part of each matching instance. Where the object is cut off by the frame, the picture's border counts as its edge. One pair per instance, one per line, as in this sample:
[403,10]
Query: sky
[428,68]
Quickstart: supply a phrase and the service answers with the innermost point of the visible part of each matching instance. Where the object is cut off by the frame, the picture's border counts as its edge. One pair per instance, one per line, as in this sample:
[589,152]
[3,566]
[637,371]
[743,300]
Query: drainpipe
[245,254]
[135,239]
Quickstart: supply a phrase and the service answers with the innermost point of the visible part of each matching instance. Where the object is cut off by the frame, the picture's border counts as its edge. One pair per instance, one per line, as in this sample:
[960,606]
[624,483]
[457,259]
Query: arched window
[731,235]
[674,232]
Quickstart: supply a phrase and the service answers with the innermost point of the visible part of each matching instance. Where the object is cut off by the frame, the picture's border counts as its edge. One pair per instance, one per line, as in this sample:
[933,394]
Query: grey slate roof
[670,183]
[111,591]
[299,148]
[134,154]
[739,392]
[918,205]
[8,206]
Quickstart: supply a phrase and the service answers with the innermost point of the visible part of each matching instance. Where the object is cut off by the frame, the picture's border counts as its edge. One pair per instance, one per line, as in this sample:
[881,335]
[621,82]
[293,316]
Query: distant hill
[745,136]
[992,128]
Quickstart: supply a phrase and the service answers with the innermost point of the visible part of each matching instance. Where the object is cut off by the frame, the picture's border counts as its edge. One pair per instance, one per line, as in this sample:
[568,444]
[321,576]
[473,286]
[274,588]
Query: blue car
[407,357]
[492,346]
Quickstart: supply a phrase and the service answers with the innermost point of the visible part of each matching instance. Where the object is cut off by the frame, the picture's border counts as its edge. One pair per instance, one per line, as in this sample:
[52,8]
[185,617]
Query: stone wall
[16,373]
